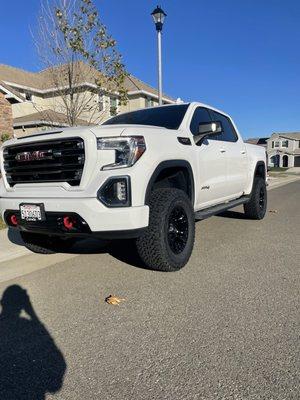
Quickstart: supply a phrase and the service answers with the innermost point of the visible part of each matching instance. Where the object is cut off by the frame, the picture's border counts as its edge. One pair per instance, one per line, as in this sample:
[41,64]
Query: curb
[281,182]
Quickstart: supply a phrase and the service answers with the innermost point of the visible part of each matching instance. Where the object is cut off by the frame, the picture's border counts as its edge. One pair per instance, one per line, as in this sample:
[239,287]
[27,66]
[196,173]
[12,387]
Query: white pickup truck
[145,175]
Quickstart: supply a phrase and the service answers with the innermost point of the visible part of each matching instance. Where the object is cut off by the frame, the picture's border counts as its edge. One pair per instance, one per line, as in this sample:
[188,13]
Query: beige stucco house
[283,150]
[36,103]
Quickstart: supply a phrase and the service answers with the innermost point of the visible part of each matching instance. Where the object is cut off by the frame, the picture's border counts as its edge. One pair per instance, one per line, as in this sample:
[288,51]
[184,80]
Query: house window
[285,143]
[28,96]
[113,107]
[149,102]
[276,144]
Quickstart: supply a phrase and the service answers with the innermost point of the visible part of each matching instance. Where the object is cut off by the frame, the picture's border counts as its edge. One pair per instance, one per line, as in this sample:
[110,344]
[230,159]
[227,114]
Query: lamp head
[158,17]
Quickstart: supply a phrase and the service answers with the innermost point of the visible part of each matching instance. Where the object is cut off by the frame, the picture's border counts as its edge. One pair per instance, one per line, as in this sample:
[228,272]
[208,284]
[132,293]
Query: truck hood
[122,130]
[86,131]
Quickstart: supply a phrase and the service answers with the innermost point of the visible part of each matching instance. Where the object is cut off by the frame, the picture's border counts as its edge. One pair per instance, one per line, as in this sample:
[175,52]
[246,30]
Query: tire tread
[251,209]
[150,248]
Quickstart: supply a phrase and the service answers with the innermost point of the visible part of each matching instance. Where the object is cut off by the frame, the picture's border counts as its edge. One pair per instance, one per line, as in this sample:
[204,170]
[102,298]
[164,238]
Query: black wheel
[44,244]
[168,241]
[257,206]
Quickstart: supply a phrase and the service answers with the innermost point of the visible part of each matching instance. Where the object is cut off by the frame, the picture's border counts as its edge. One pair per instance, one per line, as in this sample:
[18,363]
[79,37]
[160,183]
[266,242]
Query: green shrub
[2,224]
[4,137]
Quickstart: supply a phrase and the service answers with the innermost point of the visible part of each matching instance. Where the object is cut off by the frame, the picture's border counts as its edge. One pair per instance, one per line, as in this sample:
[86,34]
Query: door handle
[222,150]
[243,152]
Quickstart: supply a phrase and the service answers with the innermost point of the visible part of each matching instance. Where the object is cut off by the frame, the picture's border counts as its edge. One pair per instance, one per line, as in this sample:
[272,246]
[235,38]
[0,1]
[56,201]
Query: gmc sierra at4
[145,175]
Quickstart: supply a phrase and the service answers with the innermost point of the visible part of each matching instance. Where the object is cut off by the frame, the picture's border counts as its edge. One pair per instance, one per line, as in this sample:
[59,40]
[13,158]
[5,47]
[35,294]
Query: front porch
[283,160]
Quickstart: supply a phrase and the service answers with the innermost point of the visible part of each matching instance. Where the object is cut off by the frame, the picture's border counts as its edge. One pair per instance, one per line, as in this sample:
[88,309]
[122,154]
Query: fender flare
[171,164]
[258,164]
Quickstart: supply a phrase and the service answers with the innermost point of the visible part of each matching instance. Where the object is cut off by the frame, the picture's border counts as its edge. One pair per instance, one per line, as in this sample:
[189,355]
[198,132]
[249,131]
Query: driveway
[224,327]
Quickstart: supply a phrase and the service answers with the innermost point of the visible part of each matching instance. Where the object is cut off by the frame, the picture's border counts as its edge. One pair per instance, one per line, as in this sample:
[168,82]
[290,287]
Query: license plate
[32,212]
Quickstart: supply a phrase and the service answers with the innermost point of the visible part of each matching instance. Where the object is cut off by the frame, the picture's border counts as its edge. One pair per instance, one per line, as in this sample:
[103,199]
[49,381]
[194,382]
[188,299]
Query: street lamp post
[159,16]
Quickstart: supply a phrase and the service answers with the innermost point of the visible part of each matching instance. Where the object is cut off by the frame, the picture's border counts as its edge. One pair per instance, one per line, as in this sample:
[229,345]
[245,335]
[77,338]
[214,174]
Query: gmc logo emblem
[34,155]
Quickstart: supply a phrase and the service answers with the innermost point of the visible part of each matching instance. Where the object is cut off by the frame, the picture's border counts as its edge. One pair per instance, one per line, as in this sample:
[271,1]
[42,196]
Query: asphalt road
[224,327]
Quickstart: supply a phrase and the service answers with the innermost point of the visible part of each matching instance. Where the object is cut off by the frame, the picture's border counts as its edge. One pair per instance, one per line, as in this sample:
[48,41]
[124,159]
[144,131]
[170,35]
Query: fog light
[69,222]
[116,192]
[121,190]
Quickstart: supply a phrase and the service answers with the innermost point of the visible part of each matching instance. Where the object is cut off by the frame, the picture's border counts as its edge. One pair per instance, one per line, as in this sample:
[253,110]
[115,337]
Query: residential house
[283,150]
[36,103]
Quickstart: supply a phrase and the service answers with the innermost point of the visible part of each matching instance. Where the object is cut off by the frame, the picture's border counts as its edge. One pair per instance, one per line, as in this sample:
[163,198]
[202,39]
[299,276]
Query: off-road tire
[44,244]
[257,206]
[156,247]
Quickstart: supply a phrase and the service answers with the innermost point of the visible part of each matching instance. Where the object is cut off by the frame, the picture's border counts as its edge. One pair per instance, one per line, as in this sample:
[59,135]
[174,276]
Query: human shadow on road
[31,365]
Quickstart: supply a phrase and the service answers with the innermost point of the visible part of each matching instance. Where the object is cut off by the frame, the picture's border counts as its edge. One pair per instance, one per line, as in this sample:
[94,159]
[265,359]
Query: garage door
[297,161]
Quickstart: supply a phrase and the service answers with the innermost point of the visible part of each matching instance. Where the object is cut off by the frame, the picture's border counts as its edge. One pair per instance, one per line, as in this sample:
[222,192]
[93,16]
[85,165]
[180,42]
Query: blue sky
[240,56]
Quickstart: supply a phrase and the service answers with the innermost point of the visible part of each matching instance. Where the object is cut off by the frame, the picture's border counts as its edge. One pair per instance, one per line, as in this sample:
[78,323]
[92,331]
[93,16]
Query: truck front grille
[60,160]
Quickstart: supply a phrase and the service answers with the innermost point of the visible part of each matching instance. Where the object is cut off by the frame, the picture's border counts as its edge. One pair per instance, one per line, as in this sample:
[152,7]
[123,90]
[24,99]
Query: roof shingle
[44,80]
[45,116]
[288,135]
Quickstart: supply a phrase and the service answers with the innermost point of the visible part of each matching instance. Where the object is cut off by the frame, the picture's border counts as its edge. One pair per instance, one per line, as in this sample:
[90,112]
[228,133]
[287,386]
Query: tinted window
[228,134]
[201,115]
[167,117]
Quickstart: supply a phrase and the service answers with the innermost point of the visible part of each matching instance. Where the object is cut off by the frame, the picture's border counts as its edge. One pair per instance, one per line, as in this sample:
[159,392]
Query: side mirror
[207,129]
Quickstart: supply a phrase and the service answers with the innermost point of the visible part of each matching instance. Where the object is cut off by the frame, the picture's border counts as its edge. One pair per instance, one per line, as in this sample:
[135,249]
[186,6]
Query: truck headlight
[127,150]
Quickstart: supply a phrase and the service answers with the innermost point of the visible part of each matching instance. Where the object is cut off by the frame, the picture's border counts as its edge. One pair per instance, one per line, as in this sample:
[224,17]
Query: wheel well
[172,176]
[260,170]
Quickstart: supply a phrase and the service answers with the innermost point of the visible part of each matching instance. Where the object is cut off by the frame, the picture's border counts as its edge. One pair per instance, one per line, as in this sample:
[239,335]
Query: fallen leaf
[114,300]
[273,211]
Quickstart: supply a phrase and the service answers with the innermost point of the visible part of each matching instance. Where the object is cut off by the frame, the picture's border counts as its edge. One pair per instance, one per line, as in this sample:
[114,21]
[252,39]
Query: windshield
[169,117]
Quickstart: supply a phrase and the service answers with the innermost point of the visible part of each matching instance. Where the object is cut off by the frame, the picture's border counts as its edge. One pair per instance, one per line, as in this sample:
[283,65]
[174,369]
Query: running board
[209,212]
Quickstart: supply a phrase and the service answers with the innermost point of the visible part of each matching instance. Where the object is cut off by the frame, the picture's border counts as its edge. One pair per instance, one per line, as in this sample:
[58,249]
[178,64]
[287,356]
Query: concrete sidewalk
[16,260]
[274,182]
[11,245]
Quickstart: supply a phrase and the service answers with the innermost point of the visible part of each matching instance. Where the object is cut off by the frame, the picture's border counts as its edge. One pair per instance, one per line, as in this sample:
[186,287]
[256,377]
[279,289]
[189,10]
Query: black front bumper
[53,225]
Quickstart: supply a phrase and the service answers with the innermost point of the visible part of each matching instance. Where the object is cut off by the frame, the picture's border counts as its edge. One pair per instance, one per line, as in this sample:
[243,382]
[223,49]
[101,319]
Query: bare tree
[80,58]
